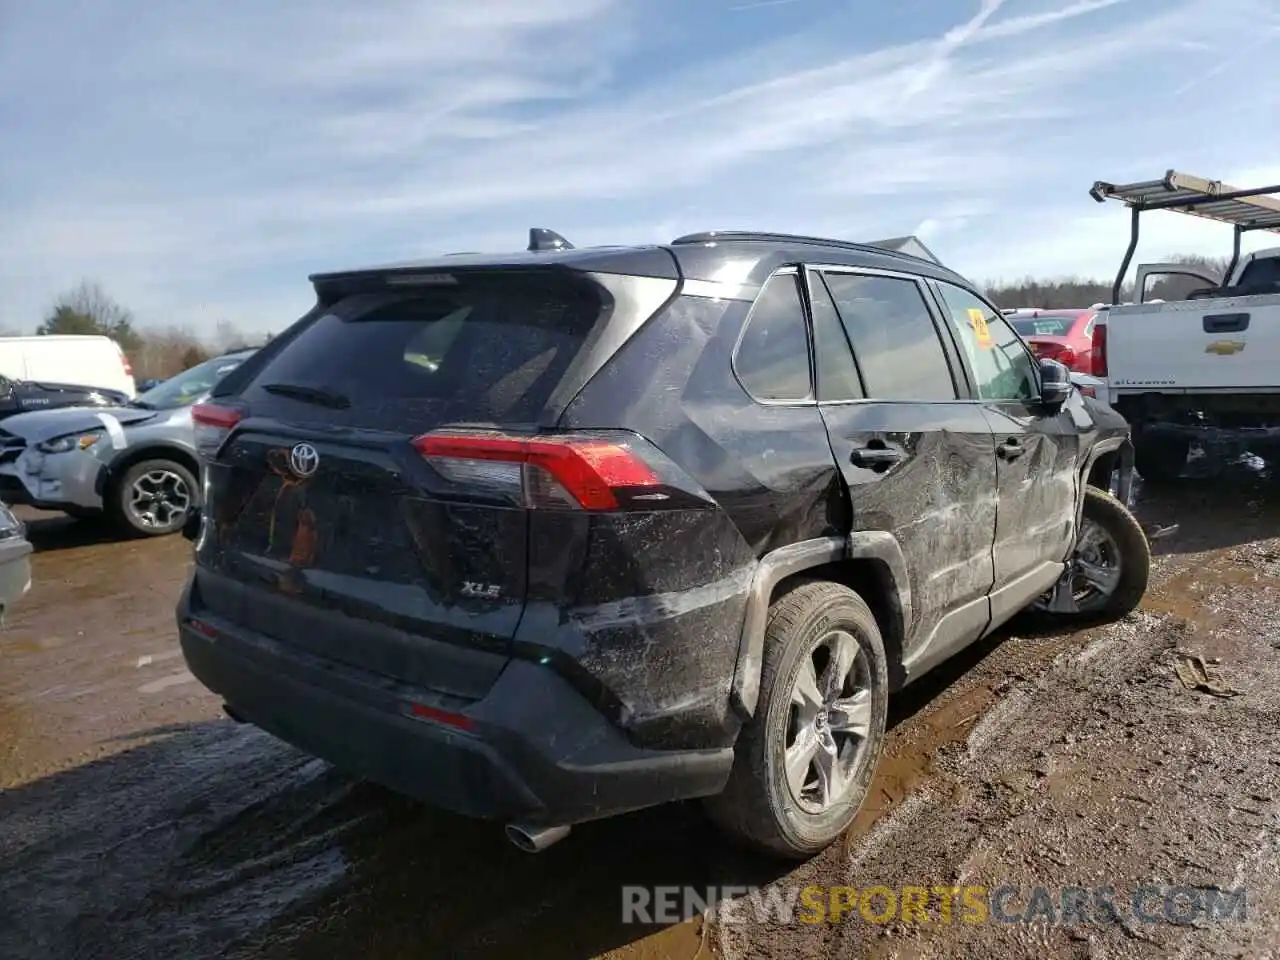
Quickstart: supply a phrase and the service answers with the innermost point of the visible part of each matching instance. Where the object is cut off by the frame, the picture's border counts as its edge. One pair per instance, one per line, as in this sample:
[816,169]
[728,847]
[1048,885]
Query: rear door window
[894,337]
[490,350]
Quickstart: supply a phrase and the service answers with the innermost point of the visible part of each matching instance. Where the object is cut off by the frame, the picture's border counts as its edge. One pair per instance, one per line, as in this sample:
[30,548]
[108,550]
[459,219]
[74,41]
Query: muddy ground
[136,821]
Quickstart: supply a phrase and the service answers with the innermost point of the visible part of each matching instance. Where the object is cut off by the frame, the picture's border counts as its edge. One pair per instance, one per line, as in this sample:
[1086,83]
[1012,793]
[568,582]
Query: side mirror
[1055,385]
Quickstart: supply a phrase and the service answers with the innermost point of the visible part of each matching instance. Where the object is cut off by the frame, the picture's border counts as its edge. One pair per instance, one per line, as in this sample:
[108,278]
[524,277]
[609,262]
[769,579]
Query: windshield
[190,385]
[1044,326]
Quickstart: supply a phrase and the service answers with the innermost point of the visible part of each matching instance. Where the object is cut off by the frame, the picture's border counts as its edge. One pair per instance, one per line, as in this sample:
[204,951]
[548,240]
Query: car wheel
[1111,563]
[154,497]
[804,761]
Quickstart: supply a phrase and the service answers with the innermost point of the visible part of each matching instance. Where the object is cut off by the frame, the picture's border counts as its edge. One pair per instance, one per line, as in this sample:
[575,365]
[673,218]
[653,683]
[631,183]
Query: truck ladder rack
[1243,210]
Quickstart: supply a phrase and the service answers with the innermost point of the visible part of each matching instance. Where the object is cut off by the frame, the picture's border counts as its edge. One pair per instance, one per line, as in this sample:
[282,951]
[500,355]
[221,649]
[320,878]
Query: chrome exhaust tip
[535,839]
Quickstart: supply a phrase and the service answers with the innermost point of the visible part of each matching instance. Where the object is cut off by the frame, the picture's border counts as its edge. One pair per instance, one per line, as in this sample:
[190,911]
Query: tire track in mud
[1100,768]
[156,864]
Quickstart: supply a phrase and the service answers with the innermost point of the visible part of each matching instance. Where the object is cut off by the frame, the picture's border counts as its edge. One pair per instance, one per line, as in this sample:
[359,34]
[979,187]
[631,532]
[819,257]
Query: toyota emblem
[304,459]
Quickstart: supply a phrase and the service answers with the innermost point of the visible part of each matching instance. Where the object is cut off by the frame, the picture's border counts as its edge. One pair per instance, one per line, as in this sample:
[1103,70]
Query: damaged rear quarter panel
[651,604]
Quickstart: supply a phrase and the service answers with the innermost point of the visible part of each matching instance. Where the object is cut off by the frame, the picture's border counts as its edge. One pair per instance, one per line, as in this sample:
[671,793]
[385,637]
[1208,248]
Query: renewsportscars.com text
[1058,906]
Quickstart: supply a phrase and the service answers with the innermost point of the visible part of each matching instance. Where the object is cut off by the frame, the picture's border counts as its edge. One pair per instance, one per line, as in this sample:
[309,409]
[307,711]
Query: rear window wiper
[322,398]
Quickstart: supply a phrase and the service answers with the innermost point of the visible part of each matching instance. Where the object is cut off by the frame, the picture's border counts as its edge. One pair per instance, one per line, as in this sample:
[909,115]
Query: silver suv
[134,464]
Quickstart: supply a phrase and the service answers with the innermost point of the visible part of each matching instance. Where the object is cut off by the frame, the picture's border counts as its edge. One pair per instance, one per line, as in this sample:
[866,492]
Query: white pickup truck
[1205,369]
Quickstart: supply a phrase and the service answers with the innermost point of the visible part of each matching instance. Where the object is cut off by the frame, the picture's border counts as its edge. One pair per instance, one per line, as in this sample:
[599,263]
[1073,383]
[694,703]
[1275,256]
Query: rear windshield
[1262,271]
[1044,326]
[491,350]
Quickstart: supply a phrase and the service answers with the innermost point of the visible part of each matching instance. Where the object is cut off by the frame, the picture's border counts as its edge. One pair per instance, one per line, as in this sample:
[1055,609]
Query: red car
[1062,335]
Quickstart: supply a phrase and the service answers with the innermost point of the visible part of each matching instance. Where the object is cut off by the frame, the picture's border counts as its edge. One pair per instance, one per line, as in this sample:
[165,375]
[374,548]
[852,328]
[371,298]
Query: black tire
[757,806]
[1135,558]
[119,498]
[1160,460]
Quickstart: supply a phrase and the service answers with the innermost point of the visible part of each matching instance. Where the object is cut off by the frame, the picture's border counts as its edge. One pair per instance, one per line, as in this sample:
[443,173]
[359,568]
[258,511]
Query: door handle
[1226,323]
[1010,450]
[874,456]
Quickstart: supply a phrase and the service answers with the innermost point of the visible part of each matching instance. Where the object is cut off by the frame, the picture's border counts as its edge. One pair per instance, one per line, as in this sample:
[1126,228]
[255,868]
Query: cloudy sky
[200,158]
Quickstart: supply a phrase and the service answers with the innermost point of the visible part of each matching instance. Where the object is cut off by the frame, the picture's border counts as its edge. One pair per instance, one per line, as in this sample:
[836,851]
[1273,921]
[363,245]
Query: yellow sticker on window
[978,320]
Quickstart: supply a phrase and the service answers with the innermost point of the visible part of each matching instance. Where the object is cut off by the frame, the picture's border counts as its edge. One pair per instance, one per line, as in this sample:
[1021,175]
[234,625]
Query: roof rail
[711,236]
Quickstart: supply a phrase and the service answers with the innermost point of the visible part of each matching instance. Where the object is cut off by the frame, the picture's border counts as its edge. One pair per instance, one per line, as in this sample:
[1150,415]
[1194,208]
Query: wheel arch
[1119,447]
[870,563]
[118,467]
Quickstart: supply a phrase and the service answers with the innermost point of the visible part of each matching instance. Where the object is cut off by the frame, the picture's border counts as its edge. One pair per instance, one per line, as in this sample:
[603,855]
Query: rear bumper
[536,751]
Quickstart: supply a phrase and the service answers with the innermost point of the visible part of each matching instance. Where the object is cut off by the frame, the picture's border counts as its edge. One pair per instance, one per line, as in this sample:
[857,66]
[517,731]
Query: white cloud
[206,157]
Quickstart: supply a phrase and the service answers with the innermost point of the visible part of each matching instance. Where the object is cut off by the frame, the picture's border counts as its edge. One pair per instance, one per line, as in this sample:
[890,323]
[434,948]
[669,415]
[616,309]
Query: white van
[91,361]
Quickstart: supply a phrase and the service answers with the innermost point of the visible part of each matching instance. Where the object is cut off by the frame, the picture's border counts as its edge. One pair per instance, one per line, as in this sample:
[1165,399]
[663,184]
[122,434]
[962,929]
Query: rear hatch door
[331,532]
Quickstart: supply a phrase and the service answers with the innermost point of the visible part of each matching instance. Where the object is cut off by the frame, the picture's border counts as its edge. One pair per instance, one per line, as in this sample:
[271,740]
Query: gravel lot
[136,821]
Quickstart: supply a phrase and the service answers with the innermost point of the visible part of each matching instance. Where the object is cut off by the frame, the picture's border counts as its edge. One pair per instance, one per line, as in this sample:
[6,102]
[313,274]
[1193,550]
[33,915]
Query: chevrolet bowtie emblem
[1225,348]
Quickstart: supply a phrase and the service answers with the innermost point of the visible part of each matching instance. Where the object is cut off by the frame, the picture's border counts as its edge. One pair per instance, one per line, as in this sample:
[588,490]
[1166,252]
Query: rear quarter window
[772,358]
[491,350]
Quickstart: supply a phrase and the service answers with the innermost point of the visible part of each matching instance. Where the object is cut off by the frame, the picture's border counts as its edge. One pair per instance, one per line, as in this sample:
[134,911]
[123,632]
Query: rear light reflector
[213,422]
[202,628]
[575,472]
[1099,357]
[420,711]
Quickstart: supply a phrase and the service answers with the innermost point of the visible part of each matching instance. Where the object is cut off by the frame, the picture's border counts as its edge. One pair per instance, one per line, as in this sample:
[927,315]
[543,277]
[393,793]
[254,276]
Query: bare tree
[88,309]
[228,338]
[1069,292]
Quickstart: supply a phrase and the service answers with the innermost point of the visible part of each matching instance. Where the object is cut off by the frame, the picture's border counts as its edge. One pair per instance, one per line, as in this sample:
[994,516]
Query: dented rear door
[917,458]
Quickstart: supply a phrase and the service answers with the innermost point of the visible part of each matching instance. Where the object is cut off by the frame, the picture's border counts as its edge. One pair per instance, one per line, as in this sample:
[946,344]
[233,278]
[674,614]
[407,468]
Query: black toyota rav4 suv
[555,535]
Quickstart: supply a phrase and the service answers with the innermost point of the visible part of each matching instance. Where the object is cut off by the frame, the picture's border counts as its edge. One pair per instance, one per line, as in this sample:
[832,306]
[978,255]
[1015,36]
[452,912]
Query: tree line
[88,309]
[1070,292]
[163,352]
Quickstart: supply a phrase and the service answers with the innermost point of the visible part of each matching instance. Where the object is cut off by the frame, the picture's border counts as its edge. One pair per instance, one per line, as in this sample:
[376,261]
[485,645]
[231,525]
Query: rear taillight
[546,472]
[124,361]
[213,422]
[1057,351]
[1099,363]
